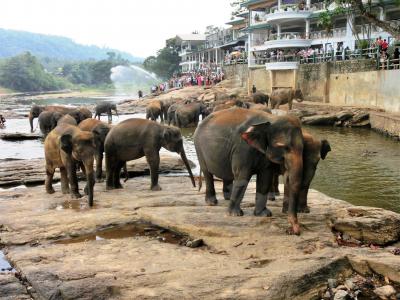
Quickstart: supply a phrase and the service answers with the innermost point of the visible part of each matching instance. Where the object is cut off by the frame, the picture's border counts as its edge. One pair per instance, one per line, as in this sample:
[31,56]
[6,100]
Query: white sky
[139,27]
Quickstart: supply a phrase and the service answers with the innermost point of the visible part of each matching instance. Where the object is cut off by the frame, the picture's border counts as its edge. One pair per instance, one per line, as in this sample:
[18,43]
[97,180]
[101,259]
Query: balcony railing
[323,34]
[287,36]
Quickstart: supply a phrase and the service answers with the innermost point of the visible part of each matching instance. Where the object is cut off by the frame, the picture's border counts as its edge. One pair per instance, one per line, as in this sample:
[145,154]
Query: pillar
[307,29]
[249,53]
[308,4]
[216,56]
[278,30]
[279,4]
[349,40]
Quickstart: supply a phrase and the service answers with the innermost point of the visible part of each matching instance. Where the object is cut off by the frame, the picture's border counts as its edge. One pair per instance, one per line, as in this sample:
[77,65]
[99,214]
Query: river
[363,167]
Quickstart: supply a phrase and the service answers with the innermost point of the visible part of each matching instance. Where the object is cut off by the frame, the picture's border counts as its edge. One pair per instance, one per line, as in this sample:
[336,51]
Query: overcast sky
[136,26]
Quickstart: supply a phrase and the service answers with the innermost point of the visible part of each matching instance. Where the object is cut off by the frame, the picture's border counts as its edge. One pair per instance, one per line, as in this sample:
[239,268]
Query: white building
[190,53]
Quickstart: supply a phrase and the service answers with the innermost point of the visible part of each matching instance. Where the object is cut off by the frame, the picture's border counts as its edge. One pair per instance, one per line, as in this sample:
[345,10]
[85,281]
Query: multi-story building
[190,50]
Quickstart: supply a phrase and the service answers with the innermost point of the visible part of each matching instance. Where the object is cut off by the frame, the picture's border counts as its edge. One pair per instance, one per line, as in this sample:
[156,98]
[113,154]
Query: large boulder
[368,225]
[325,120]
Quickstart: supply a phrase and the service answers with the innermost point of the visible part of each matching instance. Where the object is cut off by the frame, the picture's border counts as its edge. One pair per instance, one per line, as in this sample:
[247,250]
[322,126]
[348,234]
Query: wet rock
[195,243]
[385,292]
[344,115]
[349,284]
[11,288]
[321,120]
[341,295]
[332,283]
[368,224]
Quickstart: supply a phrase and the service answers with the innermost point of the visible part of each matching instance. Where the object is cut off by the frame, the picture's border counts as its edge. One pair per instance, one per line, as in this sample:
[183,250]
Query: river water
[363,167]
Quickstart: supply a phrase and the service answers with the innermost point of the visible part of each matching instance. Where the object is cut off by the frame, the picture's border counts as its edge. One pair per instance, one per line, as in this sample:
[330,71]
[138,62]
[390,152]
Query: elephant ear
[325,148]
[256,136]
[66,143]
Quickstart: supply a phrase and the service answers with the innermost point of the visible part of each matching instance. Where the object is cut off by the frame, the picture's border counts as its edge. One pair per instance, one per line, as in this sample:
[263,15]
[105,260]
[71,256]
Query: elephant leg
[64,180]
[285,206]
[302,206]
[274,190]
[153,159]
[73,179]
[227,189]
[290,104]
[162,117]
[49,180]
[238,189]
[211,198]
[99,167]
[117,174]
[263,185]
[86,189]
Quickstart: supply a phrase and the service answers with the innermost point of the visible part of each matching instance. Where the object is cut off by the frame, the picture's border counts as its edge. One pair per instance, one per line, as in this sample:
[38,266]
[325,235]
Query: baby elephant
[135,138]
[154,110]
[105,108]
[65,146]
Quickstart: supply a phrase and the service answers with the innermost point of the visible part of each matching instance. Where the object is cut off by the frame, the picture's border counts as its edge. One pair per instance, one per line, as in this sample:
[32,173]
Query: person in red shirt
[385,46]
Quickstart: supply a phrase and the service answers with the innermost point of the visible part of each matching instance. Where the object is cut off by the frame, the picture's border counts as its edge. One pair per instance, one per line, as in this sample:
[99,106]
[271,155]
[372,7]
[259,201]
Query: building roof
[235,21]
[191,37]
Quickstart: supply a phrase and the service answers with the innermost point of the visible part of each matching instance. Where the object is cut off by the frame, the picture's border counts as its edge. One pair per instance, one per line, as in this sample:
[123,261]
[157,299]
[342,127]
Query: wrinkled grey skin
[189,114]
[171,113]
[260,98]
[105,108]
[236,143]
[80,114]
[48,121]
[285,95]
[135,138]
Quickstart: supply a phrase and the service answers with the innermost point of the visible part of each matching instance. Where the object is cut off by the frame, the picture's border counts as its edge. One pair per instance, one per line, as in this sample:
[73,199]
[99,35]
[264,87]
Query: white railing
[335,33]
[287,36]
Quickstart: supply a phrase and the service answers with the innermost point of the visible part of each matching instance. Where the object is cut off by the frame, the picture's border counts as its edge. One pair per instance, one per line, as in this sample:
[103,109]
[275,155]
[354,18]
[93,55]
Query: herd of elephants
[234,141]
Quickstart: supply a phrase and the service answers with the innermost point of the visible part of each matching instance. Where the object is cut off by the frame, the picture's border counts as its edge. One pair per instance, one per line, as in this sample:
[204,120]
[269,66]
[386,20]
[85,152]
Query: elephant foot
[212,201]
[227,196]
[285,207]
[304,210]
[86,190]
[109,188]
[156,188]
[293,231]
[76,195]
[271,196]
[235,211]
[50,191]
[264,213]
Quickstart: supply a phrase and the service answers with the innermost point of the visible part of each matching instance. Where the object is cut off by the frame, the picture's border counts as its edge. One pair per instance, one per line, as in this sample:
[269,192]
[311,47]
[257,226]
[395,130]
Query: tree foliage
[166,63]
[25,73]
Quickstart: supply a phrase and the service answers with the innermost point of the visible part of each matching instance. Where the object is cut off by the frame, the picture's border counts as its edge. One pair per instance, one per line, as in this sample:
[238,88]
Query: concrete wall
[260,77]
[238,72]
[374,88]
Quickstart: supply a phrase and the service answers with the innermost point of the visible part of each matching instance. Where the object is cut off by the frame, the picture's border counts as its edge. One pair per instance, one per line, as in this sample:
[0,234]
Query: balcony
[323,34]
[288,40]
[287,13]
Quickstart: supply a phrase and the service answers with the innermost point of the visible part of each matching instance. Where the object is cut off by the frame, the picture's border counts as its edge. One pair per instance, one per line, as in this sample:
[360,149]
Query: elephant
[257,106]
[236,143]
[285,95]
[65,147]
[80,114]
[313,151]
[171,113]
[165,106]
[154,110]
[260,98]
[36,110]
[188,114]
[48,121]
[67,119]
[105,108]
[100,131]
[135,138]
[229,104]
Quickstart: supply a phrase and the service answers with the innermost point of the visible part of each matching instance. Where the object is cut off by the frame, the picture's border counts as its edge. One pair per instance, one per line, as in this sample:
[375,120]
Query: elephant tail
[126,173]
[200,181]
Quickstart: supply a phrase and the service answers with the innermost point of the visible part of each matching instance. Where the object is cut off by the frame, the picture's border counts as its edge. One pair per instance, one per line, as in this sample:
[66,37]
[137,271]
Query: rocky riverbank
[60,250]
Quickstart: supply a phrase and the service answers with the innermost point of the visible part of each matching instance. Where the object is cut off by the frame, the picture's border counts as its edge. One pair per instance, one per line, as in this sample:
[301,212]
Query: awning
[232,44]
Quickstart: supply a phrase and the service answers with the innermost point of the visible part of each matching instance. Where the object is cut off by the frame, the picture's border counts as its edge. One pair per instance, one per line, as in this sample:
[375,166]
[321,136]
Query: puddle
[4,264]
[137,229]
[76,205]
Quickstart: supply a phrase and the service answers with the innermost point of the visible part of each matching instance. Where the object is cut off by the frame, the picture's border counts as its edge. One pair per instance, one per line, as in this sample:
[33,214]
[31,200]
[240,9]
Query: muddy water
[138,229]
[363,167]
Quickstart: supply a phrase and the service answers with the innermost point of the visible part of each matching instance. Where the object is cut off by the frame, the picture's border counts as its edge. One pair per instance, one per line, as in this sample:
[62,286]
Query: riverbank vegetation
[27,73]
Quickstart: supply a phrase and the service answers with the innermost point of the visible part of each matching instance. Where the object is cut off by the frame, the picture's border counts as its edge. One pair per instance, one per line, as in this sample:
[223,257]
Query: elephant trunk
[90,181]
[295,175]
[187,165]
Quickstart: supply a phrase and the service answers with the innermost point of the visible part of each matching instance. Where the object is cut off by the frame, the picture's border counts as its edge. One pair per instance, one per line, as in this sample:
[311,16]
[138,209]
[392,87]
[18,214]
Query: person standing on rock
[254,89]
[140,94]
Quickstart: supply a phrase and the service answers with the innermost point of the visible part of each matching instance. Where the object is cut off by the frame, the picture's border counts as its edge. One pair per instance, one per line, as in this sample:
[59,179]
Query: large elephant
[105,108]
[135,138]
[285,95]
[229,104]
[154,110]
[100,131]
[66,146]
[260,98]
[313,151]
[37,109]
[236,143]
[80,114]
[189,114]
[48,121]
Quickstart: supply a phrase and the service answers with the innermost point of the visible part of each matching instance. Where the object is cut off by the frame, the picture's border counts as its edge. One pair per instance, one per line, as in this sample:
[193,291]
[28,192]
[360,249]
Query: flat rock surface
[20,171]
[11,288]
[244,258]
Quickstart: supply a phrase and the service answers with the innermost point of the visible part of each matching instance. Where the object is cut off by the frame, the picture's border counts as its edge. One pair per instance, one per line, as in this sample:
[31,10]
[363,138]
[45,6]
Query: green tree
[25,73]
[166,63]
